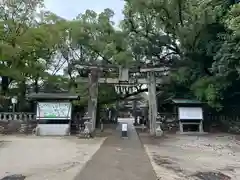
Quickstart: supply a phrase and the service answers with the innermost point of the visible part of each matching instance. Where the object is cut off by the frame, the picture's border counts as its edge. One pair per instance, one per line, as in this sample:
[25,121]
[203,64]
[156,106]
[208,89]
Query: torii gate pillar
[152,115]
[93,95]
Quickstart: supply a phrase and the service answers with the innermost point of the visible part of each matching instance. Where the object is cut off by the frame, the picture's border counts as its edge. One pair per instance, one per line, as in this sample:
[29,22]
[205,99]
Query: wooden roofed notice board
[53,105]
[189,109]
[190,115]
[53,111]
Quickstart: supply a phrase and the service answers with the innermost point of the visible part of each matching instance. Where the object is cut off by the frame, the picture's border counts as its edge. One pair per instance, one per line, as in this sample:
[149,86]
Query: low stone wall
[15,123]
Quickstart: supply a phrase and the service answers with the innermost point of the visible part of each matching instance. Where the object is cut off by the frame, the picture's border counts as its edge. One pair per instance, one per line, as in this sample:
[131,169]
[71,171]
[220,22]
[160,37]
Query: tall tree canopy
[197,40]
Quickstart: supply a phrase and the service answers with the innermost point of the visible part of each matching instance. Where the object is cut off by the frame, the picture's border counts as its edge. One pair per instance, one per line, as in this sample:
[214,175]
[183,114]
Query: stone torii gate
[127,81]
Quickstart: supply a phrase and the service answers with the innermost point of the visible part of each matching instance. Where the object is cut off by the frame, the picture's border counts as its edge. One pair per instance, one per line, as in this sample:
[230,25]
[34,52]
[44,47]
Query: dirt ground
[189,157]
[50,158]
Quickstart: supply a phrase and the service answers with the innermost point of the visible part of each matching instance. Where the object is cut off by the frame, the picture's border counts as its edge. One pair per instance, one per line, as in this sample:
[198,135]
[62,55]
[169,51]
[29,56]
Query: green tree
[28,45]
[189,37]
[93,40]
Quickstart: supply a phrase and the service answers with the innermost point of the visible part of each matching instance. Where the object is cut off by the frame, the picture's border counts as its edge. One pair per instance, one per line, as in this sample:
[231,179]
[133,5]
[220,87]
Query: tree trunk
[36,87]
[5,84]
[22,96]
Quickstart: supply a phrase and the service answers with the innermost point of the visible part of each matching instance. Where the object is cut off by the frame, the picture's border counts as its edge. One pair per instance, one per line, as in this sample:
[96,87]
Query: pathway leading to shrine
[119,159]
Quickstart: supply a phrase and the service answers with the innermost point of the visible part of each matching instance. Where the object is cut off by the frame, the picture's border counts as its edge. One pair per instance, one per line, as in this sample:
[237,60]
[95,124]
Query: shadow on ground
[14,177]
[212,176]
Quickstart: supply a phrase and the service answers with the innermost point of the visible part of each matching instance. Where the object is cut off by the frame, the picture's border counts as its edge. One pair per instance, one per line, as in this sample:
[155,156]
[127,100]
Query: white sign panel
[124,127]
[54,110]
[190,113]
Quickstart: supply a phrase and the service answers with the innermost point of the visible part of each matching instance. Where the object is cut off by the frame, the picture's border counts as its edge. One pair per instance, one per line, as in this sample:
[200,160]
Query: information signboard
[190,113]
[54,110]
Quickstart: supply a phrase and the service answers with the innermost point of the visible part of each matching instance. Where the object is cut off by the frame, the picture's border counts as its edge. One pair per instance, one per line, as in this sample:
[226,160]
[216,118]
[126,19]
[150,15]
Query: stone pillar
[93,96]
[201,127]
[180,127]
[152,102]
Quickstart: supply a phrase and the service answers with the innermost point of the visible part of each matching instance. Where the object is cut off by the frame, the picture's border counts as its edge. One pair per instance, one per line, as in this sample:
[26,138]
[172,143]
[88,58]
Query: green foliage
[198,40]
[92,39]
[27,43]
[202,40]
[232,20]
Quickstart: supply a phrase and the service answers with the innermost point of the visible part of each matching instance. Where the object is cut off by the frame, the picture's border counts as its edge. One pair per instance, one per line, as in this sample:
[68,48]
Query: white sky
[69,9]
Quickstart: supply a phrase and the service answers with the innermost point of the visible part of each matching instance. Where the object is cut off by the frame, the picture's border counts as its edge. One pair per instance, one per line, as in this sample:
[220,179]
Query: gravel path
[207,157]
[44,158]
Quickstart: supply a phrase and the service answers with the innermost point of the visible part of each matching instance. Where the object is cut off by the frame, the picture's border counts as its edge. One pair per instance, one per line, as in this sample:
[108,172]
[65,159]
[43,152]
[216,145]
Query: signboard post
[14,102]
[124,130]
[53,112]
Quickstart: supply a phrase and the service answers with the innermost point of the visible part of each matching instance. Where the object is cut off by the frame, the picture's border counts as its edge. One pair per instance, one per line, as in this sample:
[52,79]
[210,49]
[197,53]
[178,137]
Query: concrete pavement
[119,159]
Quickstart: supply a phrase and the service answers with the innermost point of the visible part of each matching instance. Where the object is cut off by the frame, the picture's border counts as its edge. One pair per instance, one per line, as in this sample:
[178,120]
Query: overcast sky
[69,9]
